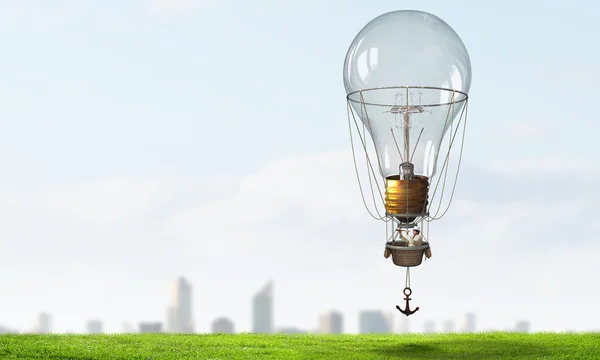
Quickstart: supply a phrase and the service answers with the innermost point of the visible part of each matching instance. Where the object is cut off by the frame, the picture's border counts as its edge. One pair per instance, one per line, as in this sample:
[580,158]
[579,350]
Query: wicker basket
[404,255]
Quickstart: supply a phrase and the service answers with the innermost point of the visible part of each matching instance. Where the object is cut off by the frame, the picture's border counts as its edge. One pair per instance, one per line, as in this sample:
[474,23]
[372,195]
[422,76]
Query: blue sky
[139,139]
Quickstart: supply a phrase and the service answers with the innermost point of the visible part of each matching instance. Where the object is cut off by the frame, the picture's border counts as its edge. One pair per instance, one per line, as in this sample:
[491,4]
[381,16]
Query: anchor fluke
[407,311]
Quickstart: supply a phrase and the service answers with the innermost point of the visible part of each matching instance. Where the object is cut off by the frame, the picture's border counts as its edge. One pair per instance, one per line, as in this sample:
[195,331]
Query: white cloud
[105,201]
[298,220]
[109,201]
[306,188]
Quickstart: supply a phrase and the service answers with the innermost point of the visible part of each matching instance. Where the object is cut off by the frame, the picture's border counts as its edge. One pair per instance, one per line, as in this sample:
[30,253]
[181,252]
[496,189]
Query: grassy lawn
[495,345]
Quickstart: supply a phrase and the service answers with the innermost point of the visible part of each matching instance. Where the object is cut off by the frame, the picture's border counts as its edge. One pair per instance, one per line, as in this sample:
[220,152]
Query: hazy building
[150,327]
[127,328]
[5,330]
[389,318]
[429,326]
[179,312]
[222,326]
[331,323]
[43,323]
[522,326]
[448,326]
[290,330]
[468,325]
[94,327]
[373,322]
[404,324]
[262,310]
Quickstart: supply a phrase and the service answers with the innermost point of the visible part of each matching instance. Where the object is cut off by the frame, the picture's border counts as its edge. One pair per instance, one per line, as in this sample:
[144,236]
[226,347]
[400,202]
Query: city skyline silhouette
[329,322]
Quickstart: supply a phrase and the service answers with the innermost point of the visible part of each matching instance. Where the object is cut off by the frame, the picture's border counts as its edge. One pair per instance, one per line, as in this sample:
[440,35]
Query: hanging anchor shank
[407,292]
[407,311]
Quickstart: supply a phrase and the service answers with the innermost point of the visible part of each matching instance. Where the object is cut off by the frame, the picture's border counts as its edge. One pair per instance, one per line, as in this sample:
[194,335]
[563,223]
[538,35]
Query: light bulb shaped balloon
[407,75]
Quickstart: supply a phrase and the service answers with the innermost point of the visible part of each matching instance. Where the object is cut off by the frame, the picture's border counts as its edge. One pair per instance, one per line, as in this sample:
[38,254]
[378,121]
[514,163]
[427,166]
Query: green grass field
[495,345]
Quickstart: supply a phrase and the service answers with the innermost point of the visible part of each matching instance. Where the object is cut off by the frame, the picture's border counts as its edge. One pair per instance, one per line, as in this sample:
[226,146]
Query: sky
[148,139]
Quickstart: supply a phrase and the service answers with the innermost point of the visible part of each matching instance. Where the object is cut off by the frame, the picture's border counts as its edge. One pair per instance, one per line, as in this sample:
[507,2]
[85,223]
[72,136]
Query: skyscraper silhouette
[150,327]
[374,322]
[262,310]
[429,326]
[403,324]
[94,327]
[43,324]
[331,323]
[522,326]
[448,326]
[468,325]
[222,326]
[179,312]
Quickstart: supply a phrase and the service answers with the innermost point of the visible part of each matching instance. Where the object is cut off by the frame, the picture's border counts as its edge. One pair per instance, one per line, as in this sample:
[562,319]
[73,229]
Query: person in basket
[415,240]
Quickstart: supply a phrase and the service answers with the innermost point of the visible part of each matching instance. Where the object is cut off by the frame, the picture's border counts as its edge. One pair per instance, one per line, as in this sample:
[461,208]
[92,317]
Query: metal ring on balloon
[461,98]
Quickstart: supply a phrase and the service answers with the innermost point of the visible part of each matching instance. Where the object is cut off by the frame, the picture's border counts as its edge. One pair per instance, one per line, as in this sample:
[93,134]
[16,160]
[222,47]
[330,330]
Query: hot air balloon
[407,76]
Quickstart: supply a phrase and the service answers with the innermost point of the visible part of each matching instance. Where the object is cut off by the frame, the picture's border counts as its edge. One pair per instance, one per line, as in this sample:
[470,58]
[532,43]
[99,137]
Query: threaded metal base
[406,200]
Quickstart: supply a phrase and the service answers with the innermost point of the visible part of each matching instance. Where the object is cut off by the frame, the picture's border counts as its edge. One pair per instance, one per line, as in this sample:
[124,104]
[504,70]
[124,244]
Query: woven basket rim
[407,248]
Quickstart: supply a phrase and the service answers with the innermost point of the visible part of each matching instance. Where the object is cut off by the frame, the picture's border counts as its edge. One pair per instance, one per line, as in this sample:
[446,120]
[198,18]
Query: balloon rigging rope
[445,171]
[450,143]
[365,115]
[445,167]
[371,178]
[356,166]
[370,170]
[465,110]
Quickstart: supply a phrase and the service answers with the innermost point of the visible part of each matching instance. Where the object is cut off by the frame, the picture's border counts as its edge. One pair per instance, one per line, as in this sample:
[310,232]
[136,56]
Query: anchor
[407,311]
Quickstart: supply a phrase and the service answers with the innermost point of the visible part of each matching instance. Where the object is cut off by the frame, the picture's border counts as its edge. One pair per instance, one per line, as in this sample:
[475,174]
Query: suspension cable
[366,152]
[445,173]
[450,107]
[362,195]
[451,144]
[458,166]
[371,178]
